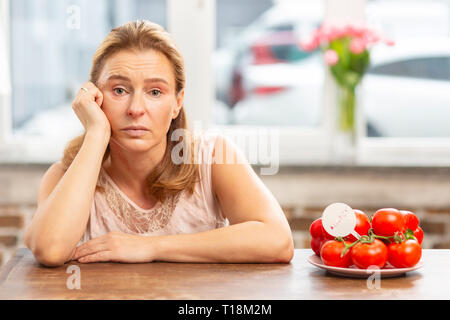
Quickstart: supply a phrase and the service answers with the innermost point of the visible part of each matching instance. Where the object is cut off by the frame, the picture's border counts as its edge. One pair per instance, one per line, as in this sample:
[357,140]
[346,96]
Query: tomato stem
[375,236]
[409,234]
[347,246]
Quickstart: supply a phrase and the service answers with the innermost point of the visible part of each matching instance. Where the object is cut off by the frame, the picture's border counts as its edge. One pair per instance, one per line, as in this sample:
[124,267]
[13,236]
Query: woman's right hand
[87,106]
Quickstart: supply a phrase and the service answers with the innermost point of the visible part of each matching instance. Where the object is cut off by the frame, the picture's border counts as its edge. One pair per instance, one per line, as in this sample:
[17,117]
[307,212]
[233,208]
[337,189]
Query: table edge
[18,255]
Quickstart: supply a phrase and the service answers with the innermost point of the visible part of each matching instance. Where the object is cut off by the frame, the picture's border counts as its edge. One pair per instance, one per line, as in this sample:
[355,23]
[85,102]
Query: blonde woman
[117,195]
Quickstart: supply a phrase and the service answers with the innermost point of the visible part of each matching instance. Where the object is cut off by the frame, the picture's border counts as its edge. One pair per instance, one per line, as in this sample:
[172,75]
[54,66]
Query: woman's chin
[133,144]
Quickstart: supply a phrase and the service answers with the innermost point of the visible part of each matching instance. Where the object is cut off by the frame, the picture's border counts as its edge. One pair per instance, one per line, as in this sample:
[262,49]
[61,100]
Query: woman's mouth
[135,131]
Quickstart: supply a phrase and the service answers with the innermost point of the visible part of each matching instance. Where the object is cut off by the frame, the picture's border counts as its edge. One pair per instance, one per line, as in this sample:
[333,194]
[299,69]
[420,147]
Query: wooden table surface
[23,278]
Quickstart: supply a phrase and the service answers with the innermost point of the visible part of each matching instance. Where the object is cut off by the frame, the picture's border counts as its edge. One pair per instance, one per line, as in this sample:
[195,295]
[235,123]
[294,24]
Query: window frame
[317,143]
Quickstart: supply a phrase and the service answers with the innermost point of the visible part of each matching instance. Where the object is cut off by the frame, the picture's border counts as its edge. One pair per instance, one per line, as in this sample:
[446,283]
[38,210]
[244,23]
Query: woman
[118,195]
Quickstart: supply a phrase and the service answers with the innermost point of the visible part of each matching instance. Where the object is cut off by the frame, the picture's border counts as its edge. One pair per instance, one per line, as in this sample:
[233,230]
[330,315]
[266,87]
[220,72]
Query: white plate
[354,272]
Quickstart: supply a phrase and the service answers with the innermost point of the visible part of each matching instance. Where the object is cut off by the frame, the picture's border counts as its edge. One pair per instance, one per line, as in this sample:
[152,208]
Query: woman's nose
[136,107]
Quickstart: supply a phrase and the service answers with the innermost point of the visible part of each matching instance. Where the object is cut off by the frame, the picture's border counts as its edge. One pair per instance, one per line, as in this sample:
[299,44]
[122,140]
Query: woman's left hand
[116,247]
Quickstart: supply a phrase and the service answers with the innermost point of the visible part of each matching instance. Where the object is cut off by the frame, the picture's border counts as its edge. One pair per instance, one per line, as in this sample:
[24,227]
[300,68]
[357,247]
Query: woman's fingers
[93,90]
[90,247]
[88,108]
[73,254]
[101,256]
[99,98]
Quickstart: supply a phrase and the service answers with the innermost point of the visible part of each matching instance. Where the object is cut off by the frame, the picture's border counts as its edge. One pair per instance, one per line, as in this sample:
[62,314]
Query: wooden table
[23,278]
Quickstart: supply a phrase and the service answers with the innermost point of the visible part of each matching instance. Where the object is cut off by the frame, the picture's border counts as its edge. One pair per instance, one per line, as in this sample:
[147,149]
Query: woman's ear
[180,98]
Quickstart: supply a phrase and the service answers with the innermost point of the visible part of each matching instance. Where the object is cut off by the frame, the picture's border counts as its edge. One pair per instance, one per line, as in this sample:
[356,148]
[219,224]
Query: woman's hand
[87,106]
[116,247]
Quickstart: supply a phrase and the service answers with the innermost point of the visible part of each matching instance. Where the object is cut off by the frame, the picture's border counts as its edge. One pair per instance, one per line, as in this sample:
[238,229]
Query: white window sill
[295,150]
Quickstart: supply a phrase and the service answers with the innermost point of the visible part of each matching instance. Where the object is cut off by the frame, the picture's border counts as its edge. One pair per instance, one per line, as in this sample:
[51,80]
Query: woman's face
[139,98]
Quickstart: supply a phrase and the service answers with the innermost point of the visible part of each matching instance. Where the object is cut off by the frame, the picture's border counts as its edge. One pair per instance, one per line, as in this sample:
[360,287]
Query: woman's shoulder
[217,148]
[209,140]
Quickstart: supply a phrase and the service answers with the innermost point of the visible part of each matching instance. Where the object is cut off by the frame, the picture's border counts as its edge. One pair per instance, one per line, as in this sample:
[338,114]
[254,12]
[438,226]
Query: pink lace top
[112,210]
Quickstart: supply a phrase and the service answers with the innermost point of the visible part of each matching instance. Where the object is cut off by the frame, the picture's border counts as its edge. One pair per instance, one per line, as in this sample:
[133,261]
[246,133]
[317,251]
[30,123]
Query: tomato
[331,254]
[316,245]
[418,233]
[362,225]
[411,220]
[315,229]
[385,222]
[365,255]
[405,254]
[317,233]
[326,235]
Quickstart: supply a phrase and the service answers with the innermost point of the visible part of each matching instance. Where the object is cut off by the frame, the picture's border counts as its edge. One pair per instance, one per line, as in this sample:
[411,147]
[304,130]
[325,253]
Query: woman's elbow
[50,257]
[286,254]
[284,251]
[47,255]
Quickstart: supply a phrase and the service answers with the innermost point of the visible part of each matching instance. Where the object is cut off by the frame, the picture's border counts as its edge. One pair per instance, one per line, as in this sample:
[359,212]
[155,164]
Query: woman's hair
[168,178]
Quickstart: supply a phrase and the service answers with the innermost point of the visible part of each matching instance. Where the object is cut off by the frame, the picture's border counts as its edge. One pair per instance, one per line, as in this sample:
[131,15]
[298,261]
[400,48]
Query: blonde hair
[168,178]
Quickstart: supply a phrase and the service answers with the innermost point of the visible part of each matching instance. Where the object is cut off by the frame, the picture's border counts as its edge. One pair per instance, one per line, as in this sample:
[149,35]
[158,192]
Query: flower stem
[347,109]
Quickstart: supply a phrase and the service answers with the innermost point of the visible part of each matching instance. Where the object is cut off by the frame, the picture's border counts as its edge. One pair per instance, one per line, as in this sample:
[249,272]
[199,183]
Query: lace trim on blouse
[138,220]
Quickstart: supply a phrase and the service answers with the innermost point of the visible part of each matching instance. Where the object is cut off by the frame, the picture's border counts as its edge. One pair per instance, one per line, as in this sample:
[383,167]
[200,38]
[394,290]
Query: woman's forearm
[247,242]
[61,220]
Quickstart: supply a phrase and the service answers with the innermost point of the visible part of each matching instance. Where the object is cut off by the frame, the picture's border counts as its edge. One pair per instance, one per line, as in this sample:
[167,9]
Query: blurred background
[257,78]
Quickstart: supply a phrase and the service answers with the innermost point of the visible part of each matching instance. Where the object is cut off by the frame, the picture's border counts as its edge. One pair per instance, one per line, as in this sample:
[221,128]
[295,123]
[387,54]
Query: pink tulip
[357,45]
[331,57]
[362,37]
[349,30]
[309,44]
[334,33]
[328,33]
[389,42]
[354,30]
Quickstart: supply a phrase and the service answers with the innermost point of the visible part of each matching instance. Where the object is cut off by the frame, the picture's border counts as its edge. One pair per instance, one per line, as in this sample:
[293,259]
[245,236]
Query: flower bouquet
[346,52]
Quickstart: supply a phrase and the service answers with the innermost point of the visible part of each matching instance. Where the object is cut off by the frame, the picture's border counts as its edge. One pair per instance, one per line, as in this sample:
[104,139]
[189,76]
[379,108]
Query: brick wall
[303,193]
[18,193]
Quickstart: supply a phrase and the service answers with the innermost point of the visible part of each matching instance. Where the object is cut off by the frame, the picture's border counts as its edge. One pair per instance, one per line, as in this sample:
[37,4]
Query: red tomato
[385,222]
[315,230]
[331,254]
[405,254]
[326,235]
[316,245]
[365,255]
[411,220]
[362,225]
[418,233]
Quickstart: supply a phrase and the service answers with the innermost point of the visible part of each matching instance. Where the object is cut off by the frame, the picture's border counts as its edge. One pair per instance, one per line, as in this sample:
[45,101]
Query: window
[433,68]
[405,100]
[263,78]
[52,44]
[405,93]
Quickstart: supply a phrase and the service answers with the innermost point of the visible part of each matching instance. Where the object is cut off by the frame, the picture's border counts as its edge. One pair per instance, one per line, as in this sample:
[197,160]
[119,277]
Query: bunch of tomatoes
[390,235]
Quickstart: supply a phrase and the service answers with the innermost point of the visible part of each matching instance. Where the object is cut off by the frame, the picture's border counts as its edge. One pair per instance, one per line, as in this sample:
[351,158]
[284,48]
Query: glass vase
[345,135]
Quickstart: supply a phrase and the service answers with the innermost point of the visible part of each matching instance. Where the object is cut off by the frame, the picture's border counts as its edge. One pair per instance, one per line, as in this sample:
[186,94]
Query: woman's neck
[130,169]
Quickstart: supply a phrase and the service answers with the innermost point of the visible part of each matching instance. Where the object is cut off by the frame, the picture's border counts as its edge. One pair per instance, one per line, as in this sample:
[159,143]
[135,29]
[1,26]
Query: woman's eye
[119,91]
[155,92]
